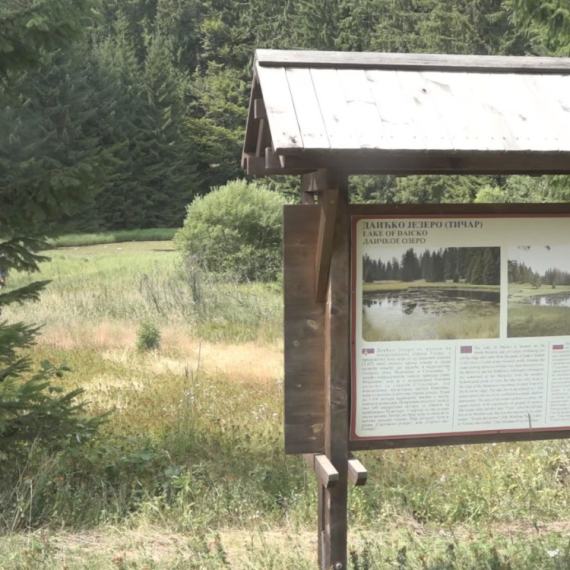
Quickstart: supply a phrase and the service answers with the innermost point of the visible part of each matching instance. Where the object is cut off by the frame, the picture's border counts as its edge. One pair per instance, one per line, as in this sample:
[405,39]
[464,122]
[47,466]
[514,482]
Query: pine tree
[47,161]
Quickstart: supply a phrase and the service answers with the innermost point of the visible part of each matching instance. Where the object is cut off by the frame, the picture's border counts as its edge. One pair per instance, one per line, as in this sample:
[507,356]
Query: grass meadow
[189,471]
[527,320]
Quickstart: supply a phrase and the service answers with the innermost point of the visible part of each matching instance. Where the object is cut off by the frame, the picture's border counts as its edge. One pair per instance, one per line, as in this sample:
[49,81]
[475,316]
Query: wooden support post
[333,501]
[328,202]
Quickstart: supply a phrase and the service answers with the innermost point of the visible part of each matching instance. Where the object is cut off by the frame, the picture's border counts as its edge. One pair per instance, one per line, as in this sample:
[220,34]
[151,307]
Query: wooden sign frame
[318,346]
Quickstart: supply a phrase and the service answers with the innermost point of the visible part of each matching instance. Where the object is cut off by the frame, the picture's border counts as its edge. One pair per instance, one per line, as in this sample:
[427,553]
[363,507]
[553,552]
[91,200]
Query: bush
[235,229]
[148,337]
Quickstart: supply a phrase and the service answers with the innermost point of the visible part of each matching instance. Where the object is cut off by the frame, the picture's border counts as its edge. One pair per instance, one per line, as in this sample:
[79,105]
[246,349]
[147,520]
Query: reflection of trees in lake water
[554,300]
[430,302]
[430,313]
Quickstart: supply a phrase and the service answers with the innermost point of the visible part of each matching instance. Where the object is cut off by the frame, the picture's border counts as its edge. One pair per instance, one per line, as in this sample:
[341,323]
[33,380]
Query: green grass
[194,447]
[402,285]
[529,320]
[77,240]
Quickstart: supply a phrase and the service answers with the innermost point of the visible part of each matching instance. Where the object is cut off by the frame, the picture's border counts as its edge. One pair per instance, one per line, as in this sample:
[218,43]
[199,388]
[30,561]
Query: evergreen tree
[47,161]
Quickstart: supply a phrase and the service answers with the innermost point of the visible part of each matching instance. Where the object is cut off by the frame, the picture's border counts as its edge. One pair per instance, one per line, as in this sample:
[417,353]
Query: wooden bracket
[357,473]
[328,202]
[259,111]
[326,474]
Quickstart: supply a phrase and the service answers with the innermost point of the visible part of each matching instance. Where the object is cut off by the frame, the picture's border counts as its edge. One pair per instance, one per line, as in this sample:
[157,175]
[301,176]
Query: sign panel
[460,325]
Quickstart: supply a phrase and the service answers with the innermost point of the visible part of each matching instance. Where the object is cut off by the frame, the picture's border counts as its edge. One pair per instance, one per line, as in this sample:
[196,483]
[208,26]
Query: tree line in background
[475,265]
[148,109]
[522,273]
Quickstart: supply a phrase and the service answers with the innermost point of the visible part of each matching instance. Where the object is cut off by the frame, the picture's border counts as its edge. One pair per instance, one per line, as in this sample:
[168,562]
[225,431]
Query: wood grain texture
[327,475]
[329,110]
[307,109]
[250,140]
[412,62]
[337,384]
[357,473]
[334,109]
[304,343]
[328,206]
[369,161]
[279,107]
[362,110]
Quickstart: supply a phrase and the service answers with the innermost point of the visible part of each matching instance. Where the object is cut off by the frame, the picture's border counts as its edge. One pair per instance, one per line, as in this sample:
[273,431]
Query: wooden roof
[403,113]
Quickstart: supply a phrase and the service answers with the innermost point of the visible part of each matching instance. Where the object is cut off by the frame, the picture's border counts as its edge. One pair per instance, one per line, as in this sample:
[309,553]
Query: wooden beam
[412,62]
[326,474]
[256,166]
[271,159]
[263,137]
[328,203]
[249,144]
[259,111]
[333,501]
[357,473]
[406,163]
[307,197]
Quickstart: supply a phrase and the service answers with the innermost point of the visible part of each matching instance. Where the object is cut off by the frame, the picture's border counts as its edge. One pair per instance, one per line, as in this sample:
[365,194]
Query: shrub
[148,337]
[235,229]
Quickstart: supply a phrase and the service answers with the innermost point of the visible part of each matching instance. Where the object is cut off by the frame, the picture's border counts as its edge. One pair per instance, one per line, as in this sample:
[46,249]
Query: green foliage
[235,229]
[33,28]
[148,336]
[48,162]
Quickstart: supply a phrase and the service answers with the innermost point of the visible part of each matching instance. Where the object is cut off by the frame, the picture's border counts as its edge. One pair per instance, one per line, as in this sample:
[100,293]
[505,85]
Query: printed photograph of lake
[539,291]
[431,294]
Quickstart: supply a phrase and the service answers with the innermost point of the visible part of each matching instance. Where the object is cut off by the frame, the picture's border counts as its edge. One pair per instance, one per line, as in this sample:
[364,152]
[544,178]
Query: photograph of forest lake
[431,294]
[539,291]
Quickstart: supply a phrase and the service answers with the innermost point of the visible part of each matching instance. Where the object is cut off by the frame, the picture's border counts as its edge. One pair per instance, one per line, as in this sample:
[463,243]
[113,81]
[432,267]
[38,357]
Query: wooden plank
[326,474]
[369,161]
[364,115]
[395,110]
[279,108]
[307,196]
[304,326]
[412,62]
[334,109]
[307,109]
[426,119]
[256,166]
[259,111]
[337,375]
[481,128]
[263,137]
[455,112]
[250,131]
[328,205]
[396,210]
[302,437]
[533,435]
[549,96]
[357,473]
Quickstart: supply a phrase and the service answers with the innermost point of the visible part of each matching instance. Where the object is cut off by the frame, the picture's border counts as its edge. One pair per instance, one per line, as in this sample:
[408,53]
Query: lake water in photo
[420,313]
[553,300]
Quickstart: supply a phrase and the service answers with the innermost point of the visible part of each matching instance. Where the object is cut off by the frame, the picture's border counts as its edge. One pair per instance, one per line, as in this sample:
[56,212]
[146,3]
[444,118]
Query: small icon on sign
[557,347]
[367,351]
[466,350]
